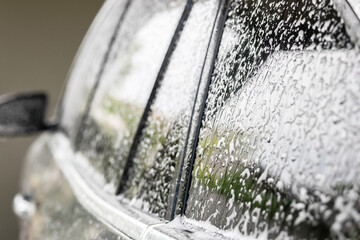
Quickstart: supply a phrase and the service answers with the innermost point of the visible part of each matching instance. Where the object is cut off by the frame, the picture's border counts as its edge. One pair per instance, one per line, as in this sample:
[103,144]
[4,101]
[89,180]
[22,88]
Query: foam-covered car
[207,119]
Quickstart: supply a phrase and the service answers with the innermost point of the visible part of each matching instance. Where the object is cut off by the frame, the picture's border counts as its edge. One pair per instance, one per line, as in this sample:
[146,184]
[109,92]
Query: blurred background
[38,40]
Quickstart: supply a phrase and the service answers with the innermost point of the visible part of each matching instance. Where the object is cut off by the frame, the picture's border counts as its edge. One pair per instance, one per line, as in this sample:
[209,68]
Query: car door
[133,140]
[277,155]
[122,34]
[123,107]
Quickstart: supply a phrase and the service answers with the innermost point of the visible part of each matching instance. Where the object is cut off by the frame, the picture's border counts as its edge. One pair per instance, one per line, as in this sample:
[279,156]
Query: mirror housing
[23,114]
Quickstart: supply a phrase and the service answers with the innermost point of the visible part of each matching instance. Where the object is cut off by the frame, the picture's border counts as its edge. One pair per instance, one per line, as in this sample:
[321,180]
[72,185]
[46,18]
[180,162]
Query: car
[208,119]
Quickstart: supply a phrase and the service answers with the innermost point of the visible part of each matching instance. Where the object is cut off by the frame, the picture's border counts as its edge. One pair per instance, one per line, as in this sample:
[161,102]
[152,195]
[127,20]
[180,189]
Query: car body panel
[70,206]
[58,215]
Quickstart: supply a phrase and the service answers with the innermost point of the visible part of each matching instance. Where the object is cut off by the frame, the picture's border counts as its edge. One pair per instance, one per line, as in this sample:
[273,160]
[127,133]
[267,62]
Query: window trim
[222,22]
[147,110]
[182,161]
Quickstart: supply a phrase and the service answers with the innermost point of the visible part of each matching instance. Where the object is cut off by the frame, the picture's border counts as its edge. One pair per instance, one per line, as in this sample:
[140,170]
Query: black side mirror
[23,114]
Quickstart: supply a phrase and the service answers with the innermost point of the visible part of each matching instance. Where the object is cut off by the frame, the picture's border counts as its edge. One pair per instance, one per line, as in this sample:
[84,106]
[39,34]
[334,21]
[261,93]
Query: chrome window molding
[122,218]
[103,206]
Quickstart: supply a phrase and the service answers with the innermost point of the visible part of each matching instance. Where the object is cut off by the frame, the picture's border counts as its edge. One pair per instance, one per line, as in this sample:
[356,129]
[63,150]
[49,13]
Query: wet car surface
[205,119]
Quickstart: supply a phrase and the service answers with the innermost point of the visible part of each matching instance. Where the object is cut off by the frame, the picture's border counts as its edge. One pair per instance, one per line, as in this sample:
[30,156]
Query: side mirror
[22,114]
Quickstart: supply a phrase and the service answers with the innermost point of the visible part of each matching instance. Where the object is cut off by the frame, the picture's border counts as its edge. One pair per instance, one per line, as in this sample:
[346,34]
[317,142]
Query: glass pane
[279,150]
[134,62]
[87,65]
[153,176]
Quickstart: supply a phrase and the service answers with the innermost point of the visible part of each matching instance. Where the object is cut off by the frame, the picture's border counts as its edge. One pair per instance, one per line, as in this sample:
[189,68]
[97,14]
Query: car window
[278,151]
[154,173]
[128,78]
[87,64]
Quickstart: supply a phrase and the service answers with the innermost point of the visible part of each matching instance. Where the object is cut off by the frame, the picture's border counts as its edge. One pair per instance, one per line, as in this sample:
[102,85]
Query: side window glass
[153,175]
[278,151]
[108,129]
[87,65]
